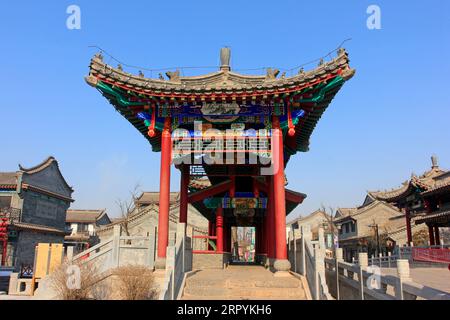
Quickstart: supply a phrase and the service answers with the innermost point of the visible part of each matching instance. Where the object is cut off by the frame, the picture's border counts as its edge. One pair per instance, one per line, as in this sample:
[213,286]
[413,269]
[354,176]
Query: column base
[281,265]
[160,263]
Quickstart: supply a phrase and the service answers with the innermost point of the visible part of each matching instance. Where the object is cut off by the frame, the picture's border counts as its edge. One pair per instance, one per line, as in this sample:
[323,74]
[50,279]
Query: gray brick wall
[44,210]
[26,244]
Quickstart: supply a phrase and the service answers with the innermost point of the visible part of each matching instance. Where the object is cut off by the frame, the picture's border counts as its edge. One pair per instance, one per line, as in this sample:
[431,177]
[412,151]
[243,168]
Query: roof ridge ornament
[272,74]
[173,76]
[225,57]
[434,162]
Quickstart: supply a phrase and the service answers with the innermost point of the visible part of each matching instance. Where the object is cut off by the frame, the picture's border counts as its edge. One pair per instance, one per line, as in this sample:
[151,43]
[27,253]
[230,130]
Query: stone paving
[437,278]
[239,282]
[8,297]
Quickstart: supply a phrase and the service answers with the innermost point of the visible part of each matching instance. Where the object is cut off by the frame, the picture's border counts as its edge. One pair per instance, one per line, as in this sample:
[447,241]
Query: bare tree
[127,208]
[330,218]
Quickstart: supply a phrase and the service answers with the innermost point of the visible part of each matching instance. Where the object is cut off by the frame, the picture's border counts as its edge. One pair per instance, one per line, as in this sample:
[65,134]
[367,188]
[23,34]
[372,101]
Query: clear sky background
[383,125]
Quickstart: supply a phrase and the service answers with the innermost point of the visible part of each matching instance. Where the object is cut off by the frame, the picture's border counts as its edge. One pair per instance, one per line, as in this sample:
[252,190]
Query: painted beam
[211,191]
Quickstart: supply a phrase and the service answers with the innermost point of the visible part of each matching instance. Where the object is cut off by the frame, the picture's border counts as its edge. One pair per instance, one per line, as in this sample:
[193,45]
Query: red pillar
[219,229]
[437,236]
[270,223]
[164,190]
[184,183]
[431,235]
[279,197]
[225,235]
[408,227]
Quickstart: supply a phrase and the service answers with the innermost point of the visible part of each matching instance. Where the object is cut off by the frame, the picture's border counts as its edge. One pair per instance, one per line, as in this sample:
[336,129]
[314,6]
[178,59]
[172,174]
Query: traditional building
[33,202]
[315,220]
[237,131]
[144,218]
[437,207]
[424,198]
[83,225]
[375,227]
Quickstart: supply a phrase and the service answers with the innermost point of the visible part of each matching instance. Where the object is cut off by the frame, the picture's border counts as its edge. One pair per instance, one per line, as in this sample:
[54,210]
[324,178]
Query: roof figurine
[225,57]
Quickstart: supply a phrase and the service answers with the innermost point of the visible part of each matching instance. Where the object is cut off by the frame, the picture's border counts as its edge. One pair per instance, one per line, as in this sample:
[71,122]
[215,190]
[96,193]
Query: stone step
[235,283]
[208,292]
[220,298]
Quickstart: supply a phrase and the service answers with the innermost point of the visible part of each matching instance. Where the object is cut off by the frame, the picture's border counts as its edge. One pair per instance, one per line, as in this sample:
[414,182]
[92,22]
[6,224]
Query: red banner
[431,255]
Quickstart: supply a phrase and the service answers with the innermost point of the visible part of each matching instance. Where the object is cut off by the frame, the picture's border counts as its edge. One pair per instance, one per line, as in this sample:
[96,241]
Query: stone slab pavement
[8,297]
[437,278]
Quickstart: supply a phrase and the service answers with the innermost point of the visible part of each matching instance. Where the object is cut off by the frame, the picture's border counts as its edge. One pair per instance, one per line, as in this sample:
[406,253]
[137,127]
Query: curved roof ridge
[220,78]
[43,165]
[387,194]
[360,210]
[374,204]
[39,167]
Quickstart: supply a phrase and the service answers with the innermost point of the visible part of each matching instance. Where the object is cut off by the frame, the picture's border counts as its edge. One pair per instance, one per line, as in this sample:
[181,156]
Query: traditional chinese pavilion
[423,199]
[231,136]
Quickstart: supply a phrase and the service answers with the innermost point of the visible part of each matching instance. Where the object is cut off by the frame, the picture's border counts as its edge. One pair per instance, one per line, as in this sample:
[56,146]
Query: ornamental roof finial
[434,162]
[225,56]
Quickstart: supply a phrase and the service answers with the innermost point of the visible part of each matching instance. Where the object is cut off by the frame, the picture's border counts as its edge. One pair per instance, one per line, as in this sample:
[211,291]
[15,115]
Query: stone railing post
[151,254]
[181,240]
[339,258]
[303,234]
[69,254]
[363,261]
[321,238]
[403,275]
[296,236]
[115,252]
[339,254]
[318,267]
[170,270]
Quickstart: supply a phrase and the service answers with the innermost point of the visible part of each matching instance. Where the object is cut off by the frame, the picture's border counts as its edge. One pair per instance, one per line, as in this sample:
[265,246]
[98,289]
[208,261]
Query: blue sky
[383,125]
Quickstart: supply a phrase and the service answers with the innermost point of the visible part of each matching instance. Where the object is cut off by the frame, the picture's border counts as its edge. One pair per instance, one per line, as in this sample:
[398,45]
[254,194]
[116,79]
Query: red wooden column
[219,229]
[164,194]
[437,237]
[225,235]
[281,261]
[431,235]
[184,183]
[270,238]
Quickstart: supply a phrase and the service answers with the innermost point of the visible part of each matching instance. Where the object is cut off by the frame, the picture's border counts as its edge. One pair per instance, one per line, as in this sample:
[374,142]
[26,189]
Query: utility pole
[375,226]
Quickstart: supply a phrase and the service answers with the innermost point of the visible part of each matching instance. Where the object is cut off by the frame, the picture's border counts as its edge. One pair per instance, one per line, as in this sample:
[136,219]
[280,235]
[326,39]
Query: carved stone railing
[436,255]
[351,281]
[307,258]
[119,251]
[178,263]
